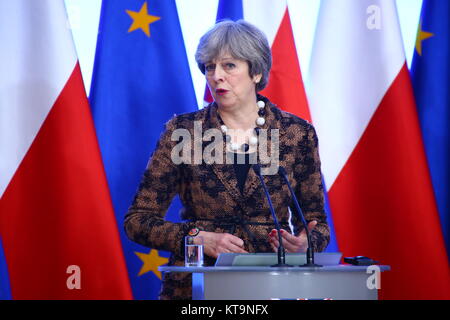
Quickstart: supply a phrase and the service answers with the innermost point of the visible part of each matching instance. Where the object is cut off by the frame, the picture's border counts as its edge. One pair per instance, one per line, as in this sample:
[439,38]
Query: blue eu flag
[230,9]
[431,80]
[5,289]
[141,79]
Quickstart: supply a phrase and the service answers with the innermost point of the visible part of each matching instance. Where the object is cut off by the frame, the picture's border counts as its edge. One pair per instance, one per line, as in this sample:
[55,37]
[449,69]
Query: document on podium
[268,259]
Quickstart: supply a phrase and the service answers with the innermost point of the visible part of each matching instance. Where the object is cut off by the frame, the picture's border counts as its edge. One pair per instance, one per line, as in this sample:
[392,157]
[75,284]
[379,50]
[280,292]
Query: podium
[263,282]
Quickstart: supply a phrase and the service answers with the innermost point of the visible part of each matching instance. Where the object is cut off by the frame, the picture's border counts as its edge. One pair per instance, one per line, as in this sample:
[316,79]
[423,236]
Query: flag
[57,224]
[227,9]
[372,153]
[285,87]
[431,81]
[5,289]
[286,83]
[141,79]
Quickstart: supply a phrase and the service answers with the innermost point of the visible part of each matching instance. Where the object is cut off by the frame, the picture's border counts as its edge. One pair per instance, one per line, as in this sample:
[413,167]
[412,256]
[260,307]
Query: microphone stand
[309,250]
[281,250]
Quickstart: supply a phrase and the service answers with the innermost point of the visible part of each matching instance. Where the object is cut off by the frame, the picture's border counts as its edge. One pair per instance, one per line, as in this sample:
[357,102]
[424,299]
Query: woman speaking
[223,201]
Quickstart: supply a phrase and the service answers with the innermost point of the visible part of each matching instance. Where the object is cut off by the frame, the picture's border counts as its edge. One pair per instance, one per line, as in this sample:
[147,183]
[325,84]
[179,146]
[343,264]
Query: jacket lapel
[225,171]
[252,183]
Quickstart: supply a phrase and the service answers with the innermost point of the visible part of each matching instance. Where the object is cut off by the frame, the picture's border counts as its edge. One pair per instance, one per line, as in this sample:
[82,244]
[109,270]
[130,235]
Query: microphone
[281,251]
[309,250]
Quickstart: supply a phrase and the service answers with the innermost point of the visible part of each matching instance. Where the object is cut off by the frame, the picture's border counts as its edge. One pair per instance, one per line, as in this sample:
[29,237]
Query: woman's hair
[241,40]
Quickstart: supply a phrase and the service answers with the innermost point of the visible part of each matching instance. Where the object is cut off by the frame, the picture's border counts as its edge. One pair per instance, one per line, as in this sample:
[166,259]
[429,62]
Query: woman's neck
[242,117]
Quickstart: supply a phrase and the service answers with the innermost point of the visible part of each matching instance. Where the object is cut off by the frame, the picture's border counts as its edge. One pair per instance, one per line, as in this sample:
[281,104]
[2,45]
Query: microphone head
[257,169]
[281,171]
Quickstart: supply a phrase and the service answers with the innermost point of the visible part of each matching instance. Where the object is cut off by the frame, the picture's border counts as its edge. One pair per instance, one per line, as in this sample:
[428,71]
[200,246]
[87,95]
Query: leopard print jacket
[210,195]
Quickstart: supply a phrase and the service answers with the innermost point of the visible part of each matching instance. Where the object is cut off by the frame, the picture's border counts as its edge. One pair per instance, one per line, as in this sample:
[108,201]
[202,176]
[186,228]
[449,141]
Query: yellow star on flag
[421,35]
[151,261]
[142,20]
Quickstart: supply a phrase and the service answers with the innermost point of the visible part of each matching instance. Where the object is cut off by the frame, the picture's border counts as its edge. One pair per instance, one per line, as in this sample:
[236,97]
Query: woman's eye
[209,67]
[230,65]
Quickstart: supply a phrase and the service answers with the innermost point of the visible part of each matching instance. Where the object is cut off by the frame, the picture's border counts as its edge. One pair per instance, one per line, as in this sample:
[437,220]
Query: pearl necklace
[253,141]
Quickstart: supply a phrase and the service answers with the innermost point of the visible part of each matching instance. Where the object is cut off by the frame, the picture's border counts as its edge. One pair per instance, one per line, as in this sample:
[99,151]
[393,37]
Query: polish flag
[285,87]
[373,160]
[57,224]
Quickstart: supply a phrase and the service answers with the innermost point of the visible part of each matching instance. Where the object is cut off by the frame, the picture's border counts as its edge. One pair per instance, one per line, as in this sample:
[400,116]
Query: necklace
[253,140]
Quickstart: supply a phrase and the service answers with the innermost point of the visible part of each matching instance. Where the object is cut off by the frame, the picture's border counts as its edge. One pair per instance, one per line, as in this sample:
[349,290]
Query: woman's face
[229,81]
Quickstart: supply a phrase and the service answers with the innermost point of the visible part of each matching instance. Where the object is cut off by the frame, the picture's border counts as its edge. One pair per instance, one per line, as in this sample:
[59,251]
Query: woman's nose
[218,74]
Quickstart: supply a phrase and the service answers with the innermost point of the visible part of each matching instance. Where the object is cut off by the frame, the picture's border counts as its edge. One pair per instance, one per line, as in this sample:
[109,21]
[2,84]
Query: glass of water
[193,252]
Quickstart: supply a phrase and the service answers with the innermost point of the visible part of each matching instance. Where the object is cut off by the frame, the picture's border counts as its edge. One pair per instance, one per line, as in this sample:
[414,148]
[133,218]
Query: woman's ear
[257,78]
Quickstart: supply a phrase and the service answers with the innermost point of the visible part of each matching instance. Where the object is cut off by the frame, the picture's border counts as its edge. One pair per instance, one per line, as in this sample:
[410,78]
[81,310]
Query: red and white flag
[285,87]
[373,160]
[57,225]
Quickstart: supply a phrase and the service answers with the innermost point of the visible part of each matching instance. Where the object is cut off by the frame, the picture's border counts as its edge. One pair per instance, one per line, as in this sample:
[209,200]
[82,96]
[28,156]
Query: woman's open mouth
[221,92]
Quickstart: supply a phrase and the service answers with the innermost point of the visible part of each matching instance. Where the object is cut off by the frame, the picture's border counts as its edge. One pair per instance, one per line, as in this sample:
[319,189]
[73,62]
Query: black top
[242,163]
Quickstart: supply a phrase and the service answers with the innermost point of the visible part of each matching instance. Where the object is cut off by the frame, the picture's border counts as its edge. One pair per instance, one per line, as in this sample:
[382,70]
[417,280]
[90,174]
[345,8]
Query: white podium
[262,282]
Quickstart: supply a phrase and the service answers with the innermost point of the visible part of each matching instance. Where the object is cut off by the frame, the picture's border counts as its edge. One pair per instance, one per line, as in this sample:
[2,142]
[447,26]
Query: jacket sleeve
[144,221]
[309,189]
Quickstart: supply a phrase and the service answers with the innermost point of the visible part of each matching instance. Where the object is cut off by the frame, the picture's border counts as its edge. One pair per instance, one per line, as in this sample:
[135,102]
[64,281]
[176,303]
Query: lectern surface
[230,281]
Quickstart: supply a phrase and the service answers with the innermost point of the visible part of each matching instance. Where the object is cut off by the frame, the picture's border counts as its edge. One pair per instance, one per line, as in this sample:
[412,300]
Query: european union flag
[431,80]
[5,289]
[230,9]
[141,79]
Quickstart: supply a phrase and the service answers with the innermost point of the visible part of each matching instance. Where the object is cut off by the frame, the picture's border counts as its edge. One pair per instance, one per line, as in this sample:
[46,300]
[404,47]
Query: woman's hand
[292,244]
[215,243]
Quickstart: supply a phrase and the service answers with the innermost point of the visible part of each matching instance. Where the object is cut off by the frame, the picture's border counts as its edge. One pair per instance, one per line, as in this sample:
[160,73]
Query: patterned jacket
[212,200]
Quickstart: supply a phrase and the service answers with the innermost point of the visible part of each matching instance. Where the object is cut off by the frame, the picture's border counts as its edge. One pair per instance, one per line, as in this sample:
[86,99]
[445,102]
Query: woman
[223,200]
